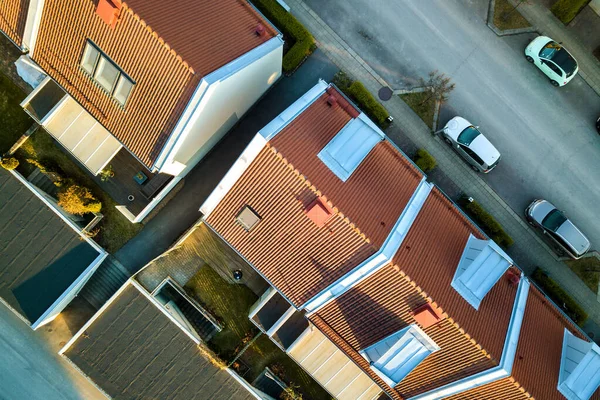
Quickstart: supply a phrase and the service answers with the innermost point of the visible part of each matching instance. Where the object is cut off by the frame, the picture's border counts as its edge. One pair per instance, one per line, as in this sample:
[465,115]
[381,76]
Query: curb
[506,32]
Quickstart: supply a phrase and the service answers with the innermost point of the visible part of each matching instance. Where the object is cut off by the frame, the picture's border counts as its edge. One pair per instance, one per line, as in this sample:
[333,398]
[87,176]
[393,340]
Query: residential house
[145,87]
[133,348]
[44,258]
[379,283]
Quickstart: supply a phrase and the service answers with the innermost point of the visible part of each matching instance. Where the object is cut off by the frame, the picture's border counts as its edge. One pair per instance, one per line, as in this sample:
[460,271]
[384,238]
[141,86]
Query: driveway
[30,367]
[546,135]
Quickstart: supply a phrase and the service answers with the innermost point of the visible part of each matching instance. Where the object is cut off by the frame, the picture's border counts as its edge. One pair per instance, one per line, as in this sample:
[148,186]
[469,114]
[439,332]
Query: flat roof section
[286,246]
[132,351]
[40,255]
[377,191]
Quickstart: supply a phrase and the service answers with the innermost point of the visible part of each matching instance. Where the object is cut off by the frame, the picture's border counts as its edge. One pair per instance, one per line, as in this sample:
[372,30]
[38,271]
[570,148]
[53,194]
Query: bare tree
[439,86]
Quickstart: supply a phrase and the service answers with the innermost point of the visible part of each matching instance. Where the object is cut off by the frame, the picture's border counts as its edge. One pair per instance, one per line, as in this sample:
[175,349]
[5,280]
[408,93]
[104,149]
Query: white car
[553,59]
[471,144]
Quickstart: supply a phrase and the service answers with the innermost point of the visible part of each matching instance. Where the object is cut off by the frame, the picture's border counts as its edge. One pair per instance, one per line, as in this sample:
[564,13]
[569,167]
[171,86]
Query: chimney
[427,315]
[109,11]
[260,30]
[331,100]
[319,212]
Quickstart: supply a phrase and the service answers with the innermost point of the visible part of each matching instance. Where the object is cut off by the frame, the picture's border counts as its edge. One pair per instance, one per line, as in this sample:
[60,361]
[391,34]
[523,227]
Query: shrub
[342,81]
[9,163]
[566,10]
[49,168]
[560,297]
[304,43]
[424,160]
[486,222]
[368,104]
[78,200]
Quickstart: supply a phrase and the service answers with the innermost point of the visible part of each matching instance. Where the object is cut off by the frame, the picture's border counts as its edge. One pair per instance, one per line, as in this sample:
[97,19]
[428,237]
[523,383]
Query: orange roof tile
[504,389]
[375,194]
[166,47]
[290,250]
[13,14]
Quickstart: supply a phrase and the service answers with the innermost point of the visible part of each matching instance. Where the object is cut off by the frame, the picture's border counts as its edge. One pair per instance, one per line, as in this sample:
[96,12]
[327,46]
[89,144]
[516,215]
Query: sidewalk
[529,250]
[548,25]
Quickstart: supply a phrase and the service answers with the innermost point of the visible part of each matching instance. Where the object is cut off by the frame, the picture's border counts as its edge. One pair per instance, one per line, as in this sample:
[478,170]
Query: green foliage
[9,163]
[566,10]
[78,200]
[368,103]
[304,43]
[560,297]
[486,222]
[50,168]
[342,81]
[424,160]
[106,173]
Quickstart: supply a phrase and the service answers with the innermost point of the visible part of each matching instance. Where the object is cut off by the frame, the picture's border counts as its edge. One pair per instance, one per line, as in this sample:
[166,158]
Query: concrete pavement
[529,250]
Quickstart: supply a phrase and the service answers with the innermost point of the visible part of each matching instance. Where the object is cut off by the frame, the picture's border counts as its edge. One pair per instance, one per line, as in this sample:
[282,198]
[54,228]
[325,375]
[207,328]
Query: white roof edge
[380,258]
[235,172]
[514,326]
[290,113]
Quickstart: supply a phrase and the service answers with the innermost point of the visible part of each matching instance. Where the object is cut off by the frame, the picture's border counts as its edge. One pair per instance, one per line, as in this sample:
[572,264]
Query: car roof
[574,237]
[485,149]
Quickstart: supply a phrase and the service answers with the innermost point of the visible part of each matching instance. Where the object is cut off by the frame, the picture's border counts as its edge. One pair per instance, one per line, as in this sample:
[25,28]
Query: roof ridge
[317,192]
[156,35]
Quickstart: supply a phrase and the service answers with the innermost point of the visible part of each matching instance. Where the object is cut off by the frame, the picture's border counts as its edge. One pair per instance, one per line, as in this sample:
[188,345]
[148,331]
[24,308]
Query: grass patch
[566,10]
[424,160]
[357,92]
[423,104]
[506,17]
[13,120]
[560,297]
[304,42]
[230,303]
[584,268]
[486,222]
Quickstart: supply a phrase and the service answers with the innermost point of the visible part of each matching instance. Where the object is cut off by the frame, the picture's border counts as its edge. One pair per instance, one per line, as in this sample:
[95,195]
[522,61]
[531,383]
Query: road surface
[549,145]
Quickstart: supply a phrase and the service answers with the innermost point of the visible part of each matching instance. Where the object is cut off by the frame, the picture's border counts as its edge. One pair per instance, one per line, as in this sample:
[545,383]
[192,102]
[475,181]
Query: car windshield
[553,220]
[549,50]
[468,135]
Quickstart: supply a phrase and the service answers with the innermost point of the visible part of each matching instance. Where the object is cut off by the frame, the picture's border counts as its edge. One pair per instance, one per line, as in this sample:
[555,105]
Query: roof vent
[481,265]
[331,100]
[427,315]
[319,212]
[260,30]
[579,375]
[513,277]
[248,218]
[109,11]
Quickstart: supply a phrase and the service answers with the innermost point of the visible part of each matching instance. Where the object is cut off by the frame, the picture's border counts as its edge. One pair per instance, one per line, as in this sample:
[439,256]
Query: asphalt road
[549,145]
[30,367]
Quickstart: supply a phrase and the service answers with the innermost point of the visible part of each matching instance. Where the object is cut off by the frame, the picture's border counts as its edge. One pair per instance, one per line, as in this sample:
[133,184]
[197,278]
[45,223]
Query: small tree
[9,163]
[78,200]
[439,86]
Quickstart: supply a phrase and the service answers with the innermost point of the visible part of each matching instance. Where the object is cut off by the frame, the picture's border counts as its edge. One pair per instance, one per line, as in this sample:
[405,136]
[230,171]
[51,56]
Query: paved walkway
[548,25]
[529,250]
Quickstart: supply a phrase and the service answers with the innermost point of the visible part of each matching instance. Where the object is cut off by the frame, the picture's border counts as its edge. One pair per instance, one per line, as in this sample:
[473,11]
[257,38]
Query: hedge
[368,103]
[304,43]
[489,225]
[566,10]
[424,160]
[559,296]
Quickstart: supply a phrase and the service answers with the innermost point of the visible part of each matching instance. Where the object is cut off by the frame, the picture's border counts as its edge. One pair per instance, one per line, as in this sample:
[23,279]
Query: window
[472,154]
[106,73]
[554,220]
[553,67]
[248,218]
[468,135]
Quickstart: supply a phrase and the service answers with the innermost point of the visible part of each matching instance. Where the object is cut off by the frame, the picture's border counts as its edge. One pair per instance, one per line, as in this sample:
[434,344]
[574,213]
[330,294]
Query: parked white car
[471,144]
[552,59]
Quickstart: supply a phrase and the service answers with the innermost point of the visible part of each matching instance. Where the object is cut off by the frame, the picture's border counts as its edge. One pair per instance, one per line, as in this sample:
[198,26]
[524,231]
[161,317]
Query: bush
[566,10]
[304,43]
[560,297]
[78,200]
[424,160]
[486,222]
[9,163]
[368,103]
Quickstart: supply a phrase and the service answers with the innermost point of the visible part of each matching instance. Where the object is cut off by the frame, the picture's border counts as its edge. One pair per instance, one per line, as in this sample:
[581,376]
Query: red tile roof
[166,47]
[13,15]
[504,389]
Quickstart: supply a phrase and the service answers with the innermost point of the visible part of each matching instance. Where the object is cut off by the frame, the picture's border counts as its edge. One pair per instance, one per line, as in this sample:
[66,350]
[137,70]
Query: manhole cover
[385,93]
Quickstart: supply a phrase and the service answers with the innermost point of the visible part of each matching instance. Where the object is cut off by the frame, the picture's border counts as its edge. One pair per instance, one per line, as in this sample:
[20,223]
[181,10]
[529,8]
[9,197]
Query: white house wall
[223,104]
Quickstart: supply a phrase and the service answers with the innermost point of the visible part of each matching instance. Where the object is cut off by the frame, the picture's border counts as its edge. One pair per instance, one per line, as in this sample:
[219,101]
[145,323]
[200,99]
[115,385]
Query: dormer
[395,356]
[344,153]
[482,264]
[579,375]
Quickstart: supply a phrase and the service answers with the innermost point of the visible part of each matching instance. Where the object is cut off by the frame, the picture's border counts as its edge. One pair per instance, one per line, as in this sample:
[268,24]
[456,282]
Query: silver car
[471,144]
[543,215]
